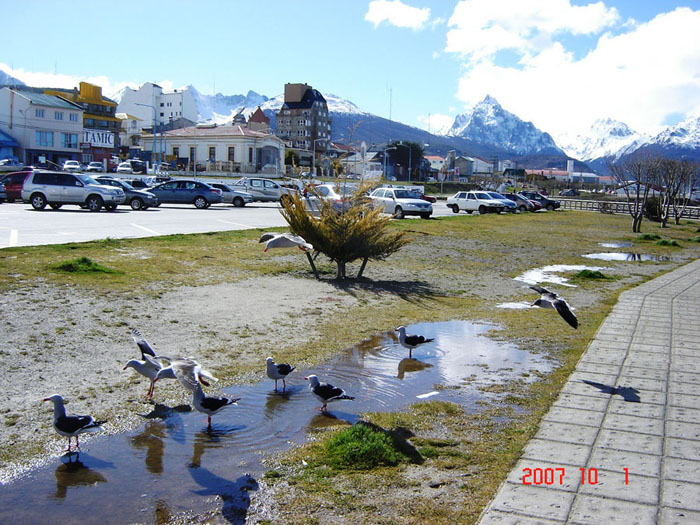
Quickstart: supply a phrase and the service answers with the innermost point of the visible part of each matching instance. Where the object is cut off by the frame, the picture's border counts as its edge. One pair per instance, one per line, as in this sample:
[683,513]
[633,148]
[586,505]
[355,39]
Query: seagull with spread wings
[552,300]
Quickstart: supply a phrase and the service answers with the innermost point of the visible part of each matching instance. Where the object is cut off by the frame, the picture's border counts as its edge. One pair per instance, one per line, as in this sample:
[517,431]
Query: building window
[250,155]
[74,117]
[39,113]
[69,140]
[212,153]
[193,154]
[176,152]
[161,104]
[162,114]
[231,154]
[44,138]
[58,115]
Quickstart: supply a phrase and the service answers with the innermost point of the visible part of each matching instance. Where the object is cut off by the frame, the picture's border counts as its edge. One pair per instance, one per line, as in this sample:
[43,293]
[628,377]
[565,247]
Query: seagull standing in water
[411,341]
[284,240]
[148,366]
[325,392]
[552,300]
[278,371]
[71,426]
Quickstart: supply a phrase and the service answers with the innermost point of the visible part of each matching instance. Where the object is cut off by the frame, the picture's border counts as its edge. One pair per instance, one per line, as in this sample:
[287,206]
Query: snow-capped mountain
[488,123]
[605,138]
[685,134]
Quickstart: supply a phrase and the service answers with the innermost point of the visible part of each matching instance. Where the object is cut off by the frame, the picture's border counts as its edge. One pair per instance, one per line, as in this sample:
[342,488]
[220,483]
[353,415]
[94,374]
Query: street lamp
[153,152]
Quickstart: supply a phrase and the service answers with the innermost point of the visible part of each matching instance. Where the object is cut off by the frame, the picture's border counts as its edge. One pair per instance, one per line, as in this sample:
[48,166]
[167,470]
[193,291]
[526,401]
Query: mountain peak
[489,100]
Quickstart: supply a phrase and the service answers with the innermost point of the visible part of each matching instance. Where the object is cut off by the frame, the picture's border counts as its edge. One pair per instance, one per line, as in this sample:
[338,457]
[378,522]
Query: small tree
[687,177]
[636,176]
[359,232]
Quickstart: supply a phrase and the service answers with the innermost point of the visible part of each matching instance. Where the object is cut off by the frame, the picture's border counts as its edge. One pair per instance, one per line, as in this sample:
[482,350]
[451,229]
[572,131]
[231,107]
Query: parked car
[139,184]
[72,166]
[57,188]
[261,189]
[339,196]
[137,199]
[10,165]
[231,196]
[3,195]
[400,202]
[545,202]
[95,167]
[570,192]
[428,198]
[125,167]
[13,183]
[523,203]
[186,191]
[471,201]
[509,204]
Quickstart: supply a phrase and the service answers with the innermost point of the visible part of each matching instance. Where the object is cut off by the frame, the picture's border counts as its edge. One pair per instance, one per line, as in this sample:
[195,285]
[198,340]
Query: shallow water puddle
[173,465]
[615,244]
[514,306]
[626,256]
[548,274]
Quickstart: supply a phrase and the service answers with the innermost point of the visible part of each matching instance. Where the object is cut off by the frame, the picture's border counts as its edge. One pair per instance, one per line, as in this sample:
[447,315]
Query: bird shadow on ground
[629,394]
[411,291]
[400,438]
[234,494]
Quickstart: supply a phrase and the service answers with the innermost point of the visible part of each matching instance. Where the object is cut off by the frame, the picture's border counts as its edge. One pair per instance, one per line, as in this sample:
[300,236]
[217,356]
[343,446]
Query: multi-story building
[100,124]
[47,128]
[303,119]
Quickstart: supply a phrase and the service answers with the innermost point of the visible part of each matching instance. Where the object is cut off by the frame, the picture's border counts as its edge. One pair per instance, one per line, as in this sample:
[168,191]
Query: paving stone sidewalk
[627,421]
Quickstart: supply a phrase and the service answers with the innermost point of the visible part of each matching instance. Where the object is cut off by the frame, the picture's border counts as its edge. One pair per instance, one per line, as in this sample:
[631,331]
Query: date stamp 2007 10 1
[555,476]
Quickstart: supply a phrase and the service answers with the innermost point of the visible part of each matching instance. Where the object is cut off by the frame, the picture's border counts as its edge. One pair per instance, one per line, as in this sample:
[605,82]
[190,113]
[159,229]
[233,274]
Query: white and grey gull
[411,341]
[552,300]
[188,376]
[278,371]
[71,425]
[148,366]
[284,240]
[325,392]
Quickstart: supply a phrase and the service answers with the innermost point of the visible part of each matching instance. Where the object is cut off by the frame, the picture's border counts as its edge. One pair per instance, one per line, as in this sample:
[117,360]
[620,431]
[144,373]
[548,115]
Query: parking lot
[20,225]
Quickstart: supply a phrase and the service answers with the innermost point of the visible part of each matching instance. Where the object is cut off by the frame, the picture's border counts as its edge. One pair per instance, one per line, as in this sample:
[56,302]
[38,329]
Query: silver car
[57,188]
[401,202]
[230,196]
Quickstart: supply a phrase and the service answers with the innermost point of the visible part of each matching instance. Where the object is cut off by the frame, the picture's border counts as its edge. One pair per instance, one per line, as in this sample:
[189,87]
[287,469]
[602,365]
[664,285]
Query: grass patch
[361,447]
[648,237]
[83,265]
[668,242]
[594,275]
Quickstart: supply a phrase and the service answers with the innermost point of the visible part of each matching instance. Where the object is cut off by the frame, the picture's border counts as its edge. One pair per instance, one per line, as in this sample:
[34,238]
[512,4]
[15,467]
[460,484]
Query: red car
[13,184]
[428,198]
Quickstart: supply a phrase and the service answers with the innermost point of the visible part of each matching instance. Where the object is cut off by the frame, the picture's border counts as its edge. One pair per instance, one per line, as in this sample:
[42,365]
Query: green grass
[591,275]
[83,265]
[648,237]
[668,242]
[361,447]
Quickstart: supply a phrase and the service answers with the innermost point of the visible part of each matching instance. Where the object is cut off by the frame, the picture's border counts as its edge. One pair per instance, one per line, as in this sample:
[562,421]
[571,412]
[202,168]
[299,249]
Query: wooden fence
[617,207]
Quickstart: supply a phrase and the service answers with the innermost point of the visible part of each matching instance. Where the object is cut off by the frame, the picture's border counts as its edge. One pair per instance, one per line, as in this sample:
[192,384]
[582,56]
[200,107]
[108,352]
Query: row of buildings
[47,126]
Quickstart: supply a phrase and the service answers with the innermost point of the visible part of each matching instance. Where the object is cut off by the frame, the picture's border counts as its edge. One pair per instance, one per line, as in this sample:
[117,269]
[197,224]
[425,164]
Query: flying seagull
[187,371]
[148,366]
[411,341]
[70,426]
[325,392]
[284,240]
[552,300]
[278,371]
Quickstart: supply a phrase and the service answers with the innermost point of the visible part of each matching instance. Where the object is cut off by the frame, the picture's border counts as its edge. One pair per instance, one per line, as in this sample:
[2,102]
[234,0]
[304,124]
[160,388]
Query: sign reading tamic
[100,139]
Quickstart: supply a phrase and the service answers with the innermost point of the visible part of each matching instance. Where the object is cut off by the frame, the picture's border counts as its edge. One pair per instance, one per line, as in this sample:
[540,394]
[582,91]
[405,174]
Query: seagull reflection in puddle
[74,473]
[326,419]
[210,439]
[411,365]
[152,440]
[171,417]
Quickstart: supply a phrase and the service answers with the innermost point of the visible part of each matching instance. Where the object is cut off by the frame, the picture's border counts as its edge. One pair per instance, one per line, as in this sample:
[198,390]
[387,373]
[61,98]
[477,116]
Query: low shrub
[591,274]
[361,447]
[648,237]
[83,265]
[668,242]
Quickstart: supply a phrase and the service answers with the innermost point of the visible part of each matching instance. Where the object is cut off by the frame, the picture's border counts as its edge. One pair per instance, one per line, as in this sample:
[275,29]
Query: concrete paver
[628,421]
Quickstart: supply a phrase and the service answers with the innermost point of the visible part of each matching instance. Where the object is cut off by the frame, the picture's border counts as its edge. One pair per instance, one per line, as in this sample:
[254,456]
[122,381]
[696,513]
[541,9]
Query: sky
[560,64]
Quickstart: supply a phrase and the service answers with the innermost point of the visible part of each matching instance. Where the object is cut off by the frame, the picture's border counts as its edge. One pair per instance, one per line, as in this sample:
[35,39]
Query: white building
[168,106]
[228,148]
[47,128]
[436,162]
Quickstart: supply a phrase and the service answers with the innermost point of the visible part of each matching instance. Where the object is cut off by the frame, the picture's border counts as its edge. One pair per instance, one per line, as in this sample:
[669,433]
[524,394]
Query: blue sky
[558,63]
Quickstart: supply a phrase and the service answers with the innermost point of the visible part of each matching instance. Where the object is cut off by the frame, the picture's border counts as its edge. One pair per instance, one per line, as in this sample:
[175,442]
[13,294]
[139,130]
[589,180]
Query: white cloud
[436,123]
[480,28]
[396,13]
[638,77]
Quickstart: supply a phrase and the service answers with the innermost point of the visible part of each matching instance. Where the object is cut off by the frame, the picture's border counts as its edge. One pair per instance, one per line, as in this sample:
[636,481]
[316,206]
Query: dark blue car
[186,191]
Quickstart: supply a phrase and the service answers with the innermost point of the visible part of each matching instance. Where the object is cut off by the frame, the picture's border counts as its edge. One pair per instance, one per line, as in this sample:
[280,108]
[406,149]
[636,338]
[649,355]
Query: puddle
[615,244]
[548,274]
[172,465]
[626,256]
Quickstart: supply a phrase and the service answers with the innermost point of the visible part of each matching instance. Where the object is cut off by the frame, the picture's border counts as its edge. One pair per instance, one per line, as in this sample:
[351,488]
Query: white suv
[57,188]
[471,201]
[72,165]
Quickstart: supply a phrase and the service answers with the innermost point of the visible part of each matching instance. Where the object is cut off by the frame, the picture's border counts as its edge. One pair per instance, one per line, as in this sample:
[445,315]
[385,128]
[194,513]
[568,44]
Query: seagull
[278,371]
[552,300]
[187,371]
[188,376]
[284,240]
[70,426]
[411,341]
[325,392]
[149,366]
